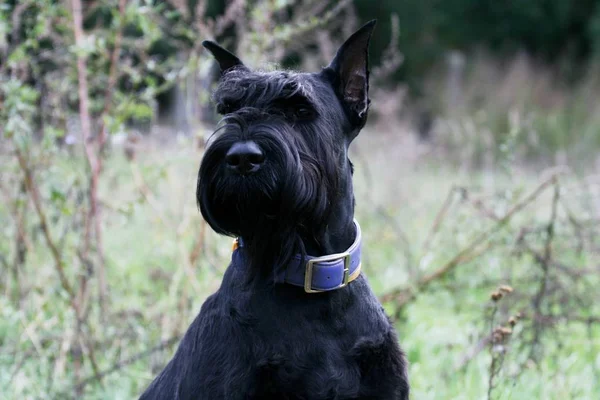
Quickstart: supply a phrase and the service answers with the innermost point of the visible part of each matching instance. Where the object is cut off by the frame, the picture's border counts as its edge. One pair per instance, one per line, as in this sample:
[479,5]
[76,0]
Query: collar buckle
[345,256]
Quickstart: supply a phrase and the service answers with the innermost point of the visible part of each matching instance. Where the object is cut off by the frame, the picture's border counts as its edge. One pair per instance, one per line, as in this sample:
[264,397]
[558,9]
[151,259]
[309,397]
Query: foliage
[554,30]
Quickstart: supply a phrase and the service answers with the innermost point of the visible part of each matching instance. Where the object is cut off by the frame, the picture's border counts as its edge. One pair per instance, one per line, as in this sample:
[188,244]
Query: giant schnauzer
[294,317]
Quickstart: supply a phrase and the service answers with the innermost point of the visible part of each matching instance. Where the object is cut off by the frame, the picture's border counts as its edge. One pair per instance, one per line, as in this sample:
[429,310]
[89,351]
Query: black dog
[293,318]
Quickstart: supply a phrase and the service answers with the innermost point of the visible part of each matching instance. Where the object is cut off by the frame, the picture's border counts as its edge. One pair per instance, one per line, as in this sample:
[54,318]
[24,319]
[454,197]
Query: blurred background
[477,185]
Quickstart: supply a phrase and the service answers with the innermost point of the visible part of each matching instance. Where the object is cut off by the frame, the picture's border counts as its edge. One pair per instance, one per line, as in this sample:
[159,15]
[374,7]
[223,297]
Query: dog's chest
[309,346]
[319,373]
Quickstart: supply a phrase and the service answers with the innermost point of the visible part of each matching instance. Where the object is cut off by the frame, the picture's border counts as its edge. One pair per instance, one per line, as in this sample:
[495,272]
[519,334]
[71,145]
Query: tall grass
[487,107]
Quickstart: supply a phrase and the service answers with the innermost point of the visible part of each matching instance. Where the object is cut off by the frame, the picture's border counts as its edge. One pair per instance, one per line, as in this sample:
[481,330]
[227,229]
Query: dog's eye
[225,108]
[304,112]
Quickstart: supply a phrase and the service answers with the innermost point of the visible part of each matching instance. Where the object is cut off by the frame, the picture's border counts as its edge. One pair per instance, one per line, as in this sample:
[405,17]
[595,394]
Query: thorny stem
[37,203]
[545,266]
[34,194]
[84,116]
[492,370]
[94,155]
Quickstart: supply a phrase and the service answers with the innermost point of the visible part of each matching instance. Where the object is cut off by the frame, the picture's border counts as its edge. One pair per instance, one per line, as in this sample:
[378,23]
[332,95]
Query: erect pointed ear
[351,73]
[225,59]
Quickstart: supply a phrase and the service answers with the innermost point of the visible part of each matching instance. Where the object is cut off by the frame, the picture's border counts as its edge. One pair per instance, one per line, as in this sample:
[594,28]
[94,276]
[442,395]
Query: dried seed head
[498,348]
[505,330]
[495,296]
[512,321]
[505,289]
[497,337]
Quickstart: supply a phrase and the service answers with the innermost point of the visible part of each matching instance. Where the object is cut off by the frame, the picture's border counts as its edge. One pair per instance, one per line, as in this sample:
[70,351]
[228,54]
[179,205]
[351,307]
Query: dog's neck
[337,234]
[339,231]
[337,237]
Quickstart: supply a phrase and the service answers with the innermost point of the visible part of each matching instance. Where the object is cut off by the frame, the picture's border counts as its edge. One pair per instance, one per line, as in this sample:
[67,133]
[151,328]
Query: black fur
[256,338]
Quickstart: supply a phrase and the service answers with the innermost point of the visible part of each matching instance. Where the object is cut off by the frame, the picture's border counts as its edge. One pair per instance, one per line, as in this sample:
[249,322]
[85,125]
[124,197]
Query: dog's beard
[253,208]
[239,205]
[289,198]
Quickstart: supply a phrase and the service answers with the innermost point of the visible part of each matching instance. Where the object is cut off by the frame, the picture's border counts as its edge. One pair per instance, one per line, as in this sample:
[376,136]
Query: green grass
[155,293]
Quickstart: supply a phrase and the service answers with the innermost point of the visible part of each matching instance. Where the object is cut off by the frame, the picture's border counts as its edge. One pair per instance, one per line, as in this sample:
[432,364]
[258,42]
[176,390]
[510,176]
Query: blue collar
[324,273]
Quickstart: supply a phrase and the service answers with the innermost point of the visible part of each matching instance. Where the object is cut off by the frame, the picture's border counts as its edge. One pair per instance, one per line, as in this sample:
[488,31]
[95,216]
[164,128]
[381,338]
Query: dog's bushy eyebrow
[293,101]
[293,90]
[261,87]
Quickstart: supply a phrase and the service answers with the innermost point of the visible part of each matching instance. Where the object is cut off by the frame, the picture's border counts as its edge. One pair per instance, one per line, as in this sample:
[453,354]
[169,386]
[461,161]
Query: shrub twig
[406,294]
[123,363]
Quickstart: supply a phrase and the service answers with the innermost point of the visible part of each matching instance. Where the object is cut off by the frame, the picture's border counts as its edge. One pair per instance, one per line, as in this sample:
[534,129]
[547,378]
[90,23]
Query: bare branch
[407,294]
[34,194]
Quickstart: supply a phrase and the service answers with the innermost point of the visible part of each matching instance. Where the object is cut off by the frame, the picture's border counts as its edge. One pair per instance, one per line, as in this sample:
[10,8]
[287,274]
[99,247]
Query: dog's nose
[244,157]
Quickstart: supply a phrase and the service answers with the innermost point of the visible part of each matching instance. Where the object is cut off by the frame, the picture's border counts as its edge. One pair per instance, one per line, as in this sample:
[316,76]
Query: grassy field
[445,238]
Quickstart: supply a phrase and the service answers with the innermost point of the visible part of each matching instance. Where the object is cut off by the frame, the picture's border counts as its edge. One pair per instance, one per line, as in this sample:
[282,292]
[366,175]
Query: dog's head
[278,162]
